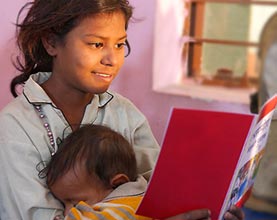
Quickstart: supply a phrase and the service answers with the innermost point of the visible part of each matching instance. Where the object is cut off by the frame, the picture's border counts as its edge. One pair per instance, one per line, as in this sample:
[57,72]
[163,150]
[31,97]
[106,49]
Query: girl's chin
[101,90]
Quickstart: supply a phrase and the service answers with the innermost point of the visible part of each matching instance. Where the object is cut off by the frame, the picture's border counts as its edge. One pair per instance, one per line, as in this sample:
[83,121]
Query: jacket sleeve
[23,195]
[146,148]
[123,116]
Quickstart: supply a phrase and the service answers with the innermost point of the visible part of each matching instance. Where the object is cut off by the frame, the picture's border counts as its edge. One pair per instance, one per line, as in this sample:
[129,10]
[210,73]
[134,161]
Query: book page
[250,158]
[197,161]
[208,159]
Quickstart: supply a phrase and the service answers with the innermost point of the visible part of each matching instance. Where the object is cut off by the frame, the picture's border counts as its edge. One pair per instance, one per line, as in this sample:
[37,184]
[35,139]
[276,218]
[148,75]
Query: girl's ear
[50,42]
[119,179]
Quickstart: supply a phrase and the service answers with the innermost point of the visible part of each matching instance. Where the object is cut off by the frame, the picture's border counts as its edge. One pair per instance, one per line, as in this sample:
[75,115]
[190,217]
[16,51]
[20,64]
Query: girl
[71,50]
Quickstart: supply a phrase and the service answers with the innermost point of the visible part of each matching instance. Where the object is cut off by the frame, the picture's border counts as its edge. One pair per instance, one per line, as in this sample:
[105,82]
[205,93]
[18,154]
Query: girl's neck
[72,103]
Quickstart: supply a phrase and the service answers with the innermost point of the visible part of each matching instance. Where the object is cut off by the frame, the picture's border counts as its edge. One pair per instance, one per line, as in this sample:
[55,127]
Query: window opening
[224,39]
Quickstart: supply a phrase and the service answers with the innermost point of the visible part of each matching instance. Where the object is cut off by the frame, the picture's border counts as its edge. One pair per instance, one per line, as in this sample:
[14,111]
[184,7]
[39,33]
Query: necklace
[46,125]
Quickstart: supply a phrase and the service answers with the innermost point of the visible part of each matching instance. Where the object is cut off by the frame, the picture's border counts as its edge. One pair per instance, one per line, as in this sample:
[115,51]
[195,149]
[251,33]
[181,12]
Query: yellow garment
[117,209]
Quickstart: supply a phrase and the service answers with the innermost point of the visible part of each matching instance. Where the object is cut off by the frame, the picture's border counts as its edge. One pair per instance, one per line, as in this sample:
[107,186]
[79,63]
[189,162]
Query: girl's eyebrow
[104,38]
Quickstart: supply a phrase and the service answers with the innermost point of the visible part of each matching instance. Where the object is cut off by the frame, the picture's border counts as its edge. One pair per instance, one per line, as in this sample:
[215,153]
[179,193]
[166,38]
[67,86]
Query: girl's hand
[234,213]
[199,214]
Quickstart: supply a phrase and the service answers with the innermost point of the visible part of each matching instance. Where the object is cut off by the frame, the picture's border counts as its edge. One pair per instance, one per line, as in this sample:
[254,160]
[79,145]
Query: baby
[94,174]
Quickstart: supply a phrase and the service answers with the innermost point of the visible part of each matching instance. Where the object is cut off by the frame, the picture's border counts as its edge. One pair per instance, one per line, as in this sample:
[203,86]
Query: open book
[208,159]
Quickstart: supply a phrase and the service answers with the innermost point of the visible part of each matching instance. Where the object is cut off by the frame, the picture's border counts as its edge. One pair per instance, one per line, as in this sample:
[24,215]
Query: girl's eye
[120,45]
[97,45]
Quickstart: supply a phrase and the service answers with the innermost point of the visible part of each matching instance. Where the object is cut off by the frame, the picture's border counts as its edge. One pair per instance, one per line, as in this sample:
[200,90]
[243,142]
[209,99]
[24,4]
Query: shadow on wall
[7,71]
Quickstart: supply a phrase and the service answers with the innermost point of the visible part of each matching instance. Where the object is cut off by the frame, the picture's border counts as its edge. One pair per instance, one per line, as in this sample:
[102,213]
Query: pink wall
[8,13]
[135,79]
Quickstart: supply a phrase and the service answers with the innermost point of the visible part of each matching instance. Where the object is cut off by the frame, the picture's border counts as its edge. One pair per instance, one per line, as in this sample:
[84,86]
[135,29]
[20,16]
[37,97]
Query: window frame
[169,66]
[193,49]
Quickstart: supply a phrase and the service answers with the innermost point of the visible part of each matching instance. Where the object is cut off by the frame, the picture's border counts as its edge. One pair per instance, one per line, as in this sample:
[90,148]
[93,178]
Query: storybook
[208,159]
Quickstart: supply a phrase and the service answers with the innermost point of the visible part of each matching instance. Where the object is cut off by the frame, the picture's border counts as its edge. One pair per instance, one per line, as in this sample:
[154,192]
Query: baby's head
[89,164]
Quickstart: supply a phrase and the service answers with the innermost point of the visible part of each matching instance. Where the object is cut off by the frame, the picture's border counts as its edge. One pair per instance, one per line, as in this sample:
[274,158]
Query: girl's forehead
[106,17]
[103,25]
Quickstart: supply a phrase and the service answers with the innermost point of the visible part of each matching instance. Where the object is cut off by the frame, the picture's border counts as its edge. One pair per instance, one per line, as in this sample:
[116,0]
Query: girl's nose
[110,57]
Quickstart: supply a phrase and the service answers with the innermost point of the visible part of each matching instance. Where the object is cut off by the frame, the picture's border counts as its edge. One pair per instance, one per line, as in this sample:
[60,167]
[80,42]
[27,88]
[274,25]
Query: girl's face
[91,55]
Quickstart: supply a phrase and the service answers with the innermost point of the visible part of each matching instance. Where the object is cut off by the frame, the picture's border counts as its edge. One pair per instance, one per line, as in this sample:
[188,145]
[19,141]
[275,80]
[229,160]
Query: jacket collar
[37,96]
[128,189]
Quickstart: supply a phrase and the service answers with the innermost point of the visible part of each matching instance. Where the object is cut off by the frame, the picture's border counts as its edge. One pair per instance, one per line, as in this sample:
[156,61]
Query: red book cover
[197,162]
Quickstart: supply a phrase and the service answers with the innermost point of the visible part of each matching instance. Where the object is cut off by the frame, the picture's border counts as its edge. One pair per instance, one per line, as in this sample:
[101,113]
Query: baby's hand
[59,217]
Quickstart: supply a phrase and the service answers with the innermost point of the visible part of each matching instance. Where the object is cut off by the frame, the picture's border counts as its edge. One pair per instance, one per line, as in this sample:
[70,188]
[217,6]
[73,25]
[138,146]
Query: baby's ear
[50,42]
[119,179]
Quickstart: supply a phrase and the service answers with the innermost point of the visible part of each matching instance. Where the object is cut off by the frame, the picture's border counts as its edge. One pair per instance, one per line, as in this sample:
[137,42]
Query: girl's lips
[104,75]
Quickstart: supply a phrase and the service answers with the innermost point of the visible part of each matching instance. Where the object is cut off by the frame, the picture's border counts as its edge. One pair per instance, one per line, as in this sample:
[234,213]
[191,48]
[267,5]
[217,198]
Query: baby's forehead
[71,183]
[76,175]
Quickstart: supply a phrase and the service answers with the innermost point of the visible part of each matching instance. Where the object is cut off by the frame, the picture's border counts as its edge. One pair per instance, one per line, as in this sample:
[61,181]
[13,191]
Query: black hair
[103,152]
[54,17]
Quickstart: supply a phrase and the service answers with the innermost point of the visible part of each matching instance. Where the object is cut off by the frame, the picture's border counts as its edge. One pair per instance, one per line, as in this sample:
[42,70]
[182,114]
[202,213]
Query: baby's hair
[103,152]
[54,18]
